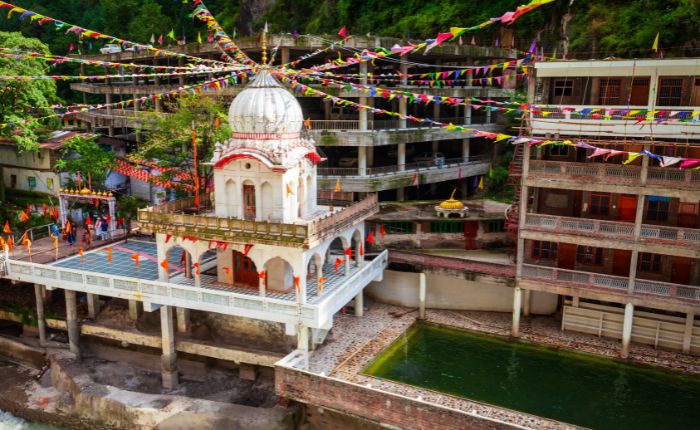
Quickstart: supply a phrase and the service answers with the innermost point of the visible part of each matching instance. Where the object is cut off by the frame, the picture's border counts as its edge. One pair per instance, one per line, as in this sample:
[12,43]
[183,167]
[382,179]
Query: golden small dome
[85,191]
[451,203]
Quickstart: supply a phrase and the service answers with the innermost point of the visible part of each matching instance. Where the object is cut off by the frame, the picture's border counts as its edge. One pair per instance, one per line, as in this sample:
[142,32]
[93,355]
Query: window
[649,262]
[446,227]
[564,88]
[398,227]
[609,92]
[559,150]
[31,181]
[13,181]
[657,210]
[542,249]
[496,226]
[670,91]
[589,255]
[600,204]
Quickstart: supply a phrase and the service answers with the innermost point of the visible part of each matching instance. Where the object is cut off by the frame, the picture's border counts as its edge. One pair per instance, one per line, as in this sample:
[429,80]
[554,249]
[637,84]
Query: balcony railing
[618,284]
[383,124]
[613,173]
[389,170]
[613,229]
[172,218]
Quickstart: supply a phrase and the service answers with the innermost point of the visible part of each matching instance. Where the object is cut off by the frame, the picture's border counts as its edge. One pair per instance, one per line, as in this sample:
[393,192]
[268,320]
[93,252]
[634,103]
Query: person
[103,228]
[87,237]
[70,232]
[54,230]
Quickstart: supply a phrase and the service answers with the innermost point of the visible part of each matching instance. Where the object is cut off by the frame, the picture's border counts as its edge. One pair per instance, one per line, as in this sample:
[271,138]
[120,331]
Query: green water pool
[577,388]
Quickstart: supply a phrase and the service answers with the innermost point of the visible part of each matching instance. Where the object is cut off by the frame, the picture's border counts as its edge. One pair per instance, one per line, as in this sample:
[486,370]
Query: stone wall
[254,333]
[391,410]
[486,293]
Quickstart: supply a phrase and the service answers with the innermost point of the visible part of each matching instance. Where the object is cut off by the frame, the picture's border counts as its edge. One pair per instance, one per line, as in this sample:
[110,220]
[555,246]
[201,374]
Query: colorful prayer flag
[343,32]
[655,46]
[7,229]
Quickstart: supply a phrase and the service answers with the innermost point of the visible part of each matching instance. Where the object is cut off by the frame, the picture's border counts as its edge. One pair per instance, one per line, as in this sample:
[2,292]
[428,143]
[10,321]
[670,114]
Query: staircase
[515,174]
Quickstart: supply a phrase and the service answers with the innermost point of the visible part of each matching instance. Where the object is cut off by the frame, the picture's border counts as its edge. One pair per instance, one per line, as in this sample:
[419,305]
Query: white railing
[613,229]
[420,166]
[609,282]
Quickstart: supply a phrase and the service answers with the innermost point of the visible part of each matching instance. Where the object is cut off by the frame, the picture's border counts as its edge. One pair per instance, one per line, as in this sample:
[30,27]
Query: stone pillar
[627,330]
[517,300]
[526,303]
[135,309]
[363,100]
[184,325]
[359,304]
[465,150]
[467,115]
[40,321]
[169,357]
[688,333]
[421,295]
[522,213]
[93,302]
[362,160]
[72,322]
[401,156]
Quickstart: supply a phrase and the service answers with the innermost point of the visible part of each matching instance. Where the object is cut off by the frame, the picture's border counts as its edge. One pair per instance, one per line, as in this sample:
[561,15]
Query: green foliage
[128,207]
[170,140]
[17,97]
[84,155]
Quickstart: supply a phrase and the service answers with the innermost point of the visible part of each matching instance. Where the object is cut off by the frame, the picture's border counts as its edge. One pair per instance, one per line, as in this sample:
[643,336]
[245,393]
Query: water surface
[10,422]
[577,388]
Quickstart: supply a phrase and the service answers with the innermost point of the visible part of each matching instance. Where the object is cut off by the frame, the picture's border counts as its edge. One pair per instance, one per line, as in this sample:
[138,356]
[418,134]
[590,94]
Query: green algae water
[577,388]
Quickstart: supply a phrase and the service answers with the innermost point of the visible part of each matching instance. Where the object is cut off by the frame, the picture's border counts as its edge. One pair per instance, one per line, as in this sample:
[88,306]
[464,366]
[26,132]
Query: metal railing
[614,173]
[401,168]
[613,229]
[610,282]
[171,218]
[390,124]
[34,233]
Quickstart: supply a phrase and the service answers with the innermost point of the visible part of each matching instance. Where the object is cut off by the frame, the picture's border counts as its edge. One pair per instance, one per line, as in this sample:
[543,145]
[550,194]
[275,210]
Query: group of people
[70,230]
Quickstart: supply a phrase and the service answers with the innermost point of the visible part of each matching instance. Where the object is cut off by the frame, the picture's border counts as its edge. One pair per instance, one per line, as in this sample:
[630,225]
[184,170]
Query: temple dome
[265,106]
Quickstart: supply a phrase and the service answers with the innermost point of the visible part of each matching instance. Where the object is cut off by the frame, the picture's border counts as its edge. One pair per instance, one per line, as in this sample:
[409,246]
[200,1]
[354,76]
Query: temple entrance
[244,270]
[249,201]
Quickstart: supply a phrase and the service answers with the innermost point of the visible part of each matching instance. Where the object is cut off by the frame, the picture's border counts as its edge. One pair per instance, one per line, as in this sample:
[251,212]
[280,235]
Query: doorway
[628,208]
[244,270]
[639,95]
[680,270]
[249,202]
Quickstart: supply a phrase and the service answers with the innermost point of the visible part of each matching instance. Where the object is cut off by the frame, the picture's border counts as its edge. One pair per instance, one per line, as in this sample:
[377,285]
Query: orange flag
[24,216]
[381,230]
[7,227]
[362,250]
[337,186]
[307,123]
[261,275]
[370,237]
[228,274]
[338,263]
[135,257]
[289,190]
[321,282]
[297,284]
[24,239]
[109,254]
[196,268]
[164,264]
[88,221]
[2,244]
[10,242]
[82,255]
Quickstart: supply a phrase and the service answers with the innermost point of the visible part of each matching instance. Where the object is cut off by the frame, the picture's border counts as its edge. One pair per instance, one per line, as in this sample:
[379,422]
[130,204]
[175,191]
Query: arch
[279,275]
[248,200]
[180,260]
[231,197]
[245,273]
[266,202]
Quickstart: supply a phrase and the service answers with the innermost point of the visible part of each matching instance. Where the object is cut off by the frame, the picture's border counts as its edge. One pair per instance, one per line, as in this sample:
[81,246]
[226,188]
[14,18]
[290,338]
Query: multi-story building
[364,153]
[618,242]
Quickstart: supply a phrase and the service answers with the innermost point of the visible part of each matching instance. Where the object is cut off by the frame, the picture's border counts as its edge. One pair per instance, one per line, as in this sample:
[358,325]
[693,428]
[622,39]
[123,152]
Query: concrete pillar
[467,115]
[184,325]
[93,302]
[465,150]
[638,217]
[363,100]
[135,309]
[627,330]
[400,194]
[401,156]
[40,321]
[303,343]
[517,302]
[284,55]
[688,333]
[347,265]
[526,303]
[261,286]
[169,357]
[188,265]
[362,160]
[370,155]
[359,304]
[488,116]
[421,295]
[403,103]
[72,322]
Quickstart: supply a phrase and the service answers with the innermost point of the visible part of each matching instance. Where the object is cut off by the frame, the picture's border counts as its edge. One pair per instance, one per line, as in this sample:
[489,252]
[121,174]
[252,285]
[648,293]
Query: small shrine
[452,208]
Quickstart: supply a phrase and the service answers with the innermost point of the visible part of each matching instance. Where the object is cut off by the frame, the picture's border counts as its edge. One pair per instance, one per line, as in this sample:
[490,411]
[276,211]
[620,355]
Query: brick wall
[374,405]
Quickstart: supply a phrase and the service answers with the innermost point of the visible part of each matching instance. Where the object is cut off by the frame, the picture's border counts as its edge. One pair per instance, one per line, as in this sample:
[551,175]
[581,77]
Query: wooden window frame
[590,255]
[669,100]
[650,263]
[565,88]
[544,250]
[598,207]
[657,213]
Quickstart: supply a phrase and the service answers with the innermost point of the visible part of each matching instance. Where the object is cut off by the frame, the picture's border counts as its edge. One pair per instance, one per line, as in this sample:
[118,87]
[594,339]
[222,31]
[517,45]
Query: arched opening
[249,207]
[336,256]
[279,275]
[245,274]
[178,260]
[231,198]
[266,205]
[314,270]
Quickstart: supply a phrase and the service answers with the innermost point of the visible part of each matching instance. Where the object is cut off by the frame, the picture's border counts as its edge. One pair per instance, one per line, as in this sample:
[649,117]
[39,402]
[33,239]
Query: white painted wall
[447,292]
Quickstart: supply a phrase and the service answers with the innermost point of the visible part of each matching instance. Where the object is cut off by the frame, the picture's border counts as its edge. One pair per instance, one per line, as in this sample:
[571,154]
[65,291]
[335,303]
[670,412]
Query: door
[627,208]
[688,215]
[567,256]
[621,262]
[639,95]
[680,270]
[695,94]
[244,271]
[249,201]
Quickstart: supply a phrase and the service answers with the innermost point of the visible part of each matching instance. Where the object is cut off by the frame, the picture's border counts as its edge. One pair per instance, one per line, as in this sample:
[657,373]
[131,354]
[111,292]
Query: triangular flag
[337,186]
[382,231]
[343,32]
[153,39]
[172,34]
[164,264]
[631,156]
[135,257]
[481,183]
[109,254]
[199,37]
[82,255]
[307,123]
[370,238]
[7,229]
[160,39]
[289,190]
[655,46]
[24,216]
[246,248]
[297,283]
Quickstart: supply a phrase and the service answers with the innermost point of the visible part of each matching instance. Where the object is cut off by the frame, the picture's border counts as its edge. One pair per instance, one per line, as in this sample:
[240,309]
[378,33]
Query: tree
[169,143]
[84,155]
[128,208]
[22,101]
